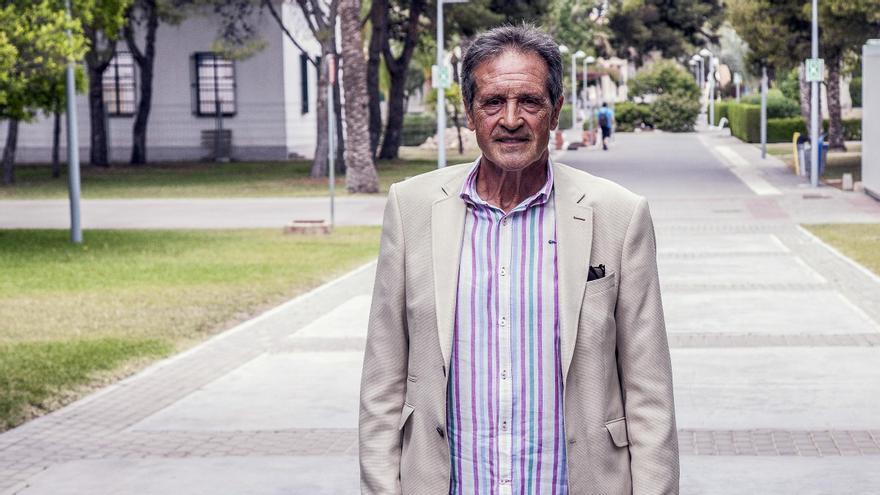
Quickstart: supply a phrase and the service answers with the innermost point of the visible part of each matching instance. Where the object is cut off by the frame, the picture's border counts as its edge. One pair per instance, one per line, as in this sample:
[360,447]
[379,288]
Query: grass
[72,316]
[211,180]
[861,242]
[839,162]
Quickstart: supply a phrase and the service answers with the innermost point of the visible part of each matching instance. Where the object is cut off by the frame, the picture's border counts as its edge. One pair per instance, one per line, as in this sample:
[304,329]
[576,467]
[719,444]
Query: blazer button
[440,432]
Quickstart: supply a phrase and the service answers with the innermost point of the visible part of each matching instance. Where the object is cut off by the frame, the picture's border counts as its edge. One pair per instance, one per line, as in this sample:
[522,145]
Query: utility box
[871,117]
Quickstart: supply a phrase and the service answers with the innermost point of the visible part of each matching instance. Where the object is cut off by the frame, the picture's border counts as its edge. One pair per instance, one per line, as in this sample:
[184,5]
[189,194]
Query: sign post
[72,148]
[814,75]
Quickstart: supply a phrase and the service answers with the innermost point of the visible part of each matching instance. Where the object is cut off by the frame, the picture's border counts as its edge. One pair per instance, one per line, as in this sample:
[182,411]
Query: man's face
[512,114]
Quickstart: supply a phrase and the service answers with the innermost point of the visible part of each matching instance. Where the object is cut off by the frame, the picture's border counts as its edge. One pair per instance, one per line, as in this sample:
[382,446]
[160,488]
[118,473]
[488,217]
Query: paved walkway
[775,340]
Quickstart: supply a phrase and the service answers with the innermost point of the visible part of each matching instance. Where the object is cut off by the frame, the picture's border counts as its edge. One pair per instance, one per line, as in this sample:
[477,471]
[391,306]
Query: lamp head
[579,54]
[563,49]
[705,52]
[590,59]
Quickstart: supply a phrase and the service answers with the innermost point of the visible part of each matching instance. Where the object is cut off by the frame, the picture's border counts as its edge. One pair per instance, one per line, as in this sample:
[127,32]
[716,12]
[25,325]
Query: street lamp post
[442,80]
[587,61]
[814,103]
[710,79]
[72,147]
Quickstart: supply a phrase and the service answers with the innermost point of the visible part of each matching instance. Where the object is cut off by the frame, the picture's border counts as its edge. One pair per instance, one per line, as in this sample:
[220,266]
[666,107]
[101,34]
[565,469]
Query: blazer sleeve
[385,364]
[644,364]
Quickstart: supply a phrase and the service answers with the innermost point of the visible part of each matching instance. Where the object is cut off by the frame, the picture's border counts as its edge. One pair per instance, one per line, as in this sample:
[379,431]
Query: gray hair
[523,38]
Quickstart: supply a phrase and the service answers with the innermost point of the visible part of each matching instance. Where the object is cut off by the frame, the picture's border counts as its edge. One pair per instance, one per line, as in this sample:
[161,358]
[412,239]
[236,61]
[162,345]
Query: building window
[119,85]
[304,83]
[214,84]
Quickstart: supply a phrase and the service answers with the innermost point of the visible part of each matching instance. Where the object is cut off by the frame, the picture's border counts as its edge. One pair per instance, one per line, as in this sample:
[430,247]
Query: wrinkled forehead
[512,71]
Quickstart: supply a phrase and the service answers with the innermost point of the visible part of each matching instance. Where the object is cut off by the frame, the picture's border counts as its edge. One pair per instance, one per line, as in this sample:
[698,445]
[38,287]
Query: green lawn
[72,317]
[860,242]
[212,180]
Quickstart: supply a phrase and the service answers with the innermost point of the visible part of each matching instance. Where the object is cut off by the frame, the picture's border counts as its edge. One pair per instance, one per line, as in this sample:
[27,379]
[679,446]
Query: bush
[675,112]
[722,109]
[417,127]
[663,77]
[745,121]
[629,115]
[855,91]
[782,130]
[565,117]
[778,105]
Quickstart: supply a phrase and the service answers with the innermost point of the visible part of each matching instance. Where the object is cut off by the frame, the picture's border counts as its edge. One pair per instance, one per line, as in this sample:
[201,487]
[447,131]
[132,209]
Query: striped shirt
[505,416]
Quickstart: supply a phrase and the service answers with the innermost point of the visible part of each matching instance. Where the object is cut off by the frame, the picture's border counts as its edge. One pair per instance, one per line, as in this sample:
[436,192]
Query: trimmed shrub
[782,130]
[745,122]
[778,106]
[663,77]
[417,127]
[629,115]
[722,109]
[675,112]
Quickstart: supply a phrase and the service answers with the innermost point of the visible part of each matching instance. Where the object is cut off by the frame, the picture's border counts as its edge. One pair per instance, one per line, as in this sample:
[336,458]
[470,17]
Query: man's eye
[492,102]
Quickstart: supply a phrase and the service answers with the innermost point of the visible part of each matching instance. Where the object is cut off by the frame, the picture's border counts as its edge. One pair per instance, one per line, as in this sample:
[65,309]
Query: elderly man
[516,342]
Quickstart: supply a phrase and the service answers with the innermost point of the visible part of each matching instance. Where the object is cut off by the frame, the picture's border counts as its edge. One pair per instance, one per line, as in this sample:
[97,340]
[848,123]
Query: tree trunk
[145,60]
[319,165]
[379,20]
[340,128]
[396,111]
[805,94]
[97,119]
[836,139]
[361,172]
[397,67]
[56,144]
[9,153]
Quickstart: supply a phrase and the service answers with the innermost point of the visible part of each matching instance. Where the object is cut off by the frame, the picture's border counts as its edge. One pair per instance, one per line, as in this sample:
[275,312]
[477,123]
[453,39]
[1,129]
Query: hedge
[565,117]
[745,123]
[629,115]
[417,127]
[722,109]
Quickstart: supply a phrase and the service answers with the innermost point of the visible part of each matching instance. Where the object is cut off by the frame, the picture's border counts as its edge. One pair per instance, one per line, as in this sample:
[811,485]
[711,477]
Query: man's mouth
[511,140]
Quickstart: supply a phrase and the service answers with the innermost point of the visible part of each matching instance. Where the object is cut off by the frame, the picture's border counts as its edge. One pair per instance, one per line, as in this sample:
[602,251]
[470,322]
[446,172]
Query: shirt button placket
[505,387]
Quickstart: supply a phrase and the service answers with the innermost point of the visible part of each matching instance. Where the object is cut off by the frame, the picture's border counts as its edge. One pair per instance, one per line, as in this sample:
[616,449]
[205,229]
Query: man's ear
[557,109]
[469,120]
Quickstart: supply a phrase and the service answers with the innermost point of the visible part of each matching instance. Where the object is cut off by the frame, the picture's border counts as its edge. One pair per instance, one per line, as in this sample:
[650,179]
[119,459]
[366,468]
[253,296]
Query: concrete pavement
[774,336]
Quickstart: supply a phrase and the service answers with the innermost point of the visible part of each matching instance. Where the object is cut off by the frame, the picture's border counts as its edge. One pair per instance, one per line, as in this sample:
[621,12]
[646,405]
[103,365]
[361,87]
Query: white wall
[300,128]
[871,117]
[268,123]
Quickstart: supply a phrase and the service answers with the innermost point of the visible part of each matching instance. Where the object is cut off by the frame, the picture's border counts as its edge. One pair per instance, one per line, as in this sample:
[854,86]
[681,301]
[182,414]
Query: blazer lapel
[447,226]
[574,234]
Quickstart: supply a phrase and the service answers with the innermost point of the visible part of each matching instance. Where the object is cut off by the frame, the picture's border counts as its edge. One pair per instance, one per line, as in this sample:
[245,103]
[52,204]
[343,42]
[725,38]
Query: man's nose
[511,115]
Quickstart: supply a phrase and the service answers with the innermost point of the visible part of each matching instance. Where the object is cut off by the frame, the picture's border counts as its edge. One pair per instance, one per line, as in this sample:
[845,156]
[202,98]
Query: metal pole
[814,104]
[737,93]
[331,141]
[587,93]
[763,112]
[573,92]
[72,146]
[712,70]
[441,91]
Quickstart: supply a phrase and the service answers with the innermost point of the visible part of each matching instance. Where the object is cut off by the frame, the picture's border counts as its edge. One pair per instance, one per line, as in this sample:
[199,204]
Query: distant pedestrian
[606,121]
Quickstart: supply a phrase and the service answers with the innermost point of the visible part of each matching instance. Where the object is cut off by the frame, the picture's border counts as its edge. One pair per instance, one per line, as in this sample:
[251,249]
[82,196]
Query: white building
[268,99]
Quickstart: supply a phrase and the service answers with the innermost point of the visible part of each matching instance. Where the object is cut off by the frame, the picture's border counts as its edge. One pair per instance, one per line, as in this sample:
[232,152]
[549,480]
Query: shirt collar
[469,188]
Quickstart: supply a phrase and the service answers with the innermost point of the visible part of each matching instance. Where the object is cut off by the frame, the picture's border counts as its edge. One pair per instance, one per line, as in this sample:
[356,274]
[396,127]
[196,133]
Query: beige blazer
[619,415]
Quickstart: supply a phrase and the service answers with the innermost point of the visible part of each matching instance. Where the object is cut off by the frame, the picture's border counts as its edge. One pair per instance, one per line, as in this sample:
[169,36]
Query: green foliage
[855,91]
[34,51]
[673,27]
[745,121]
[722,110]
[417,127]
[565,121]
[778,106]
[664,77]
[675,112]
[570,22]
[630,115]
[789,85]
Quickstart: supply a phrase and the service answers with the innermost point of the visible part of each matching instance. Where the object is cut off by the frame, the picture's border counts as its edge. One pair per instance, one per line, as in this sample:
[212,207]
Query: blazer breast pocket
[600,285]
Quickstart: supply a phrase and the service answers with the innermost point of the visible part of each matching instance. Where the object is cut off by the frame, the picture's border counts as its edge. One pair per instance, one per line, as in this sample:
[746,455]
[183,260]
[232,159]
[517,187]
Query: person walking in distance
[516,342]
[606,121]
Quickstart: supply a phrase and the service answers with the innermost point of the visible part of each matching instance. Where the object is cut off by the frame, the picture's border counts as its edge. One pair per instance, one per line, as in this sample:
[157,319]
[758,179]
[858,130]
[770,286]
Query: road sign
[815,69]
[440,78]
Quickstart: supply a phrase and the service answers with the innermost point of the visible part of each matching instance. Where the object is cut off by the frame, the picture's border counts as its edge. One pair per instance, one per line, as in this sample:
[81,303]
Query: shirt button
[504,425]
[503,321]
[504,374]
[440,431]
[503,271]
[505,222]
